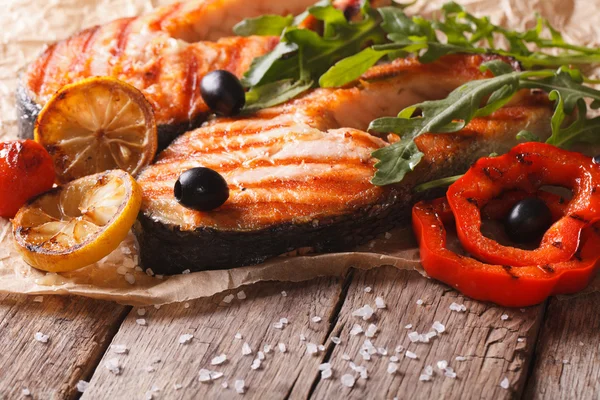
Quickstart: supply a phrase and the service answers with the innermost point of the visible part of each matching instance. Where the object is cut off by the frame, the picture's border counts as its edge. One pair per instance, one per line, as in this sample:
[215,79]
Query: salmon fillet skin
[299,174]
[164,54]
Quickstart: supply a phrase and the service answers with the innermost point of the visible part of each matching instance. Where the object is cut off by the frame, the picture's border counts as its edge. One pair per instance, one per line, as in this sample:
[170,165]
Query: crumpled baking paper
[27,25]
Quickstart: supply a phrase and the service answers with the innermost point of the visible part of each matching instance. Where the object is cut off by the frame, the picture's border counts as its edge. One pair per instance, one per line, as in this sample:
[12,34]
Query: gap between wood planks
[488,342]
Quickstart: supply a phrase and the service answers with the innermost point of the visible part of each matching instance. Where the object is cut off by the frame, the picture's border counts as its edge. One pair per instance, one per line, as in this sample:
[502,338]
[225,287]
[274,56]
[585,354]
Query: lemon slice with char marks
[79,223]
[97,124]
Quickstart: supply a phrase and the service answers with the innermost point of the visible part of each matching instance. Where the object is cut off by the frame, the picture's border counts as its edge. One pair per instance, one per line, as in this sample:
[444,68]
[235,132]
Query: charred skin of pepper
[504,285]
[527,167]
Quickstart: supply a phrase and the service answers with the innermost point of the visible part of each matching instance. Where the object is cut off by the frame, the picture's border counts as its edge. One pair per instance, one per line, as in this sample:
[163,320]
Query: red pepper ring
[504,285]
[527,167]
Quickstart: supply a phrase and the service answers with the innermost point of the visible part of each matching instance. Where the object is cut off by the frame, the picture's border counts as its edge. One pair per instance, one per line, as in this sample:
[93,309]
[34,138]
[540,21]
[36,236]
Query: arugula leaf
[265,25]
[303,56]
[527,136]
[468,101]
[351,68]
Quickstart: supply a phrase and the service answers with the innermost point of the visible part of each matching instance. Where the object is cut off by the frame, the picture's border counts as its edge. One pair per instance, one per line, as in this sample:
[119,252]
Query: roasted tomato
[26,170]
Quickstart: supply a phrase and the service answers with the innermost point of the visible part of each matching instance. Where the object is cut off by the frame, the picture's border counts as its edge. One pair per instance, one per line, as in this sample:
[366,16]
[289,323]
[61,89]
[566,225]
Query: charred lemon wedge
[95,125]
[79,223]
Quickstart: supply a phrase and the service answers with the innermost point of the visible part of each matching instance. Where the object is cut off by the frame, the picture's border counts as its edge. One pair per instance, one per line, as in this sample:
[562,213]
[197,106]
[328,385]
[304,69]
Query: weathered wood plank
[214,325]
[79,331]
[491,345]
[567,361]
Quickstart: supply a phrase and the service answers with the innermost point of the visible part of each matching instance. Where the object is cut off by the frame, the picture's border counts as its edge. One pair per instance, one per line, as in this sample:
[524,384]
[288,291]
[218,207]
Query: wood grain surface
[78,331]
[157,359]
[491,345]
[567,359]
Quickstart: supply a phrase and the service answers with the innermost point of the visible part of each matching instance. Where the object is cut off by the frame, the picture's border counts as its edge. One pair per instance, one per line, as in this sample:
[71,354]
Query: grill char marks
[164,54]
[299,174]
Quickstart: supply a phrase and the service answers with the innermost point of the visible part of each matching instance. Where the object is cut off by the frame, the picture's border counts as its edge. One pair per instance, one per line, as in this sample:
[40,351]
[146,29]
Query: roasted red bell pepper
[502,284]
[527,167]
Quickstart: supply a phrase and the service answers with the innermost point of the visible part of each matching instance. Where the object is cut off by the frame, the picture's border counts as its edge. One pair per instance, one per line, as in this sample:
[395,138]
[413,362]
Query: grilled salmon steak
[164,54]
[299,174]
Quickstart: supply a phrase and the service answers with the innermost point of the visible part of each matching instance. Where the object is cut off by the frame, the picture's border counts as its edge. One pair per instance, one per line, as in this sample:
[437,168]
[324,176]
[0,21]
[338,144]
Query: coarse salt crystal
[25,392]
[185,338]
[302,337]
[186,305]
[413,336]
[356,329]
[228,299]
[392,368]
[241,295]
[430,335]
[394,359]
[113,366]
[284,293]
[460,358]
[345,357]
[419,302]
[282,347]
[347,380]
[240,386]
[140,321]
[410,354]
[40,337]
[311,348]
[504,384]
[224,385]
[284,320]
[365,312]
[443,364]
[38,299]
[382,350]
[368,289]
[130,278]
[141,312]
[520,340]
[246,350]
[267,348]
[504,317]
[255,364]
[177,386]
[261,355]
[439,327]
[399,349]
[324,366]
[204,375]
[119,348]
[336,340]
[326,374]
[371,330]
[449,372]
[186,271]
[150,368]
[365,355]
[82,386]
[157,306]
[149,272]
[409,326]
[424,377]
[316,319]
[321,347]
[458,307]
[379,302]
[278,325]
[238,336]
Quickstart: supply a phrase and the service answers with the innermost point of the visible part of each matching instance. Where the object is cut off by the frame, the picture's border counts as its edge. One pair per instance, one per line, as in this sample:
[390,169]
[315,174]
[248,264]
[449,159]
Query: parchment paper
[27,25]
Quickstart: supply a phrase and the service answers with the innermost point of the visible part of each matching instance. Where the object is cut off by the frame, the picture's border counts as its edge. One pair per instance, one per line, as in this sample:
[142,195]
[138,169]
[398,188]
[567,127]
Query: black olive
[201,189]
[596,159]
[528,220]
[223,92]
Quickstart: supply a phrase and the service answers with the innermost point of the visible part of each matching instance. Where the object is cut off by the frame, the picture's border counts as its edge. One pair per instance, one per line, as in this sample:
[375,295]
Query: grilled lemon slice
[79,223]
[95,125]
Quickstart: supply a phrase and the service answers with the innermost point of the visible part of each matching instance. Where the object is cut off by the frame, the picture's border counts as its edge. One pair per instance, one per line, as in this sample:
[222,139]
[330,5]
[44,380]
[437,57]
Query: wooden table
[551,351]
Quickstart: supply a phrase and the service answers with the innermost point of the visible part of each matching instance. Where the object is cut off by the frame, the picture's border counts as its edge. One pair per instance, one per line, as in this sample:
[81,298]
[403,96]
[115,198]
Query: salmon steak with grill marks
[164,54]
[299,174]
